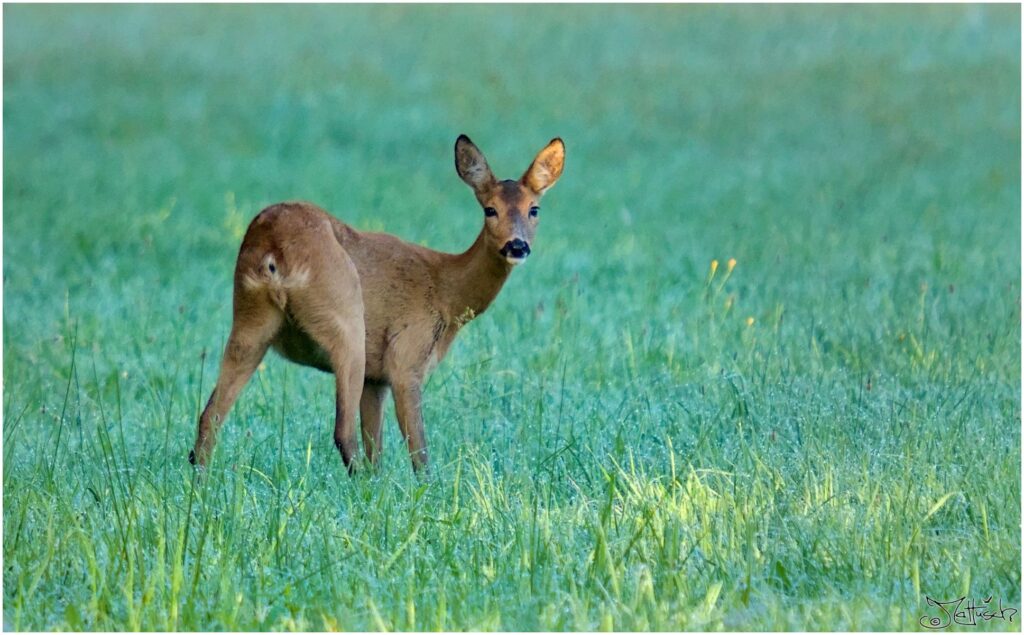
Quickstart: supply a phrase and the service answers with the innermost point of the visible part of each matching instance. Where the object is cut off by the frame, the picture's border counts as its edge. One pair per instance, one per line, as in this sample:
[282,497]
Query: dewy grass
[818,434]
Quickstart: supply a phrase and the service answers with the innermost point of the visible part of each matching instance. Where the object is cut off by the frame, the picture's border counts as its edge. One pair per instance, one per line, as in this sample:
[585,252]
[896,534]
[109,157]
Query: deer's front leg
[410,420]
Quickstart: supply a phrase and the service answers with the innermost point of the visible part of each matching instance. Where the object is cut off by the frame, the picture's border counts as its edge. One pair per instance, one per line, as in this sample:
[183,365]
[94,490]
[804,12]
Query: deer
[377,312]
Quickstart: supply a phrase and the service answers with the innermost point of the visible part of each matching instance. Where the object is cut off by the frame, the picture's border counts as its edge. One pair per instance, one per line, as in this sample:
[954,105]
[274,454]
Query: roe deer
[374,310]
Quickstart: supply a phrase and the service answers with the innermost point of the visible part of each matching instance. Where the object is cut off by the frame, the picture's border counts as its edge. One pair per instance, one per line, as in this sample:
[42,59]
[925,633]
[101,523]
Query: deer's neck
[471,280]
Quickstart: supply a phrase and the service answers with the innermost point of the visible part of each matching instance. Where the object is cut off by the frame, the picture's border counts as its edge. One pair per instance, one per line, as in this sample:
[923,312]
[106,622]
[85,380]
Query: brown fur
[374,310]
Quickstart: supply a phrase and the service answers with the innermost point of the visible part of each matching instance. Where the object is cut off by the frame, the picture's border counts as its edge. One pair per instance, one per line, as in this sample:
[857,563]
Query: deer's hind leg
[330,310]
[371,415]
[256,321]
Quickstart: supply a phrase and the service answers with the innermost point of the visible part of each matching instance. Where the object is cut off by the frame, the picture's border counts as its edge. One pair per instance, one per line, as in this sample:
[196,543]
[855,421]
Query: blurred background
[815,144]
[861,165]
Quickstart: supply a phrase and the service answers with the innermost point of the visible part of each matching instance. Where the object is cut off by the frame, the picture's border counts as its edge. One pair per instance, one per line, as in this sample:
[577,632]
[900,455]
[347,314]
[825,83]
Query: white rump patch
[298,278]
[271,271]
[268,276]
[251,282]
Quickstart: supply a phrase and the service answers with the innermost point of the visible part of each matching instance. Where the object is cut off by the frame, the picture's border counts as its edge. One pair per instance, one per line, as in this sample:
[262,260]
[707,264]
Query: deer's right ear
[471,165]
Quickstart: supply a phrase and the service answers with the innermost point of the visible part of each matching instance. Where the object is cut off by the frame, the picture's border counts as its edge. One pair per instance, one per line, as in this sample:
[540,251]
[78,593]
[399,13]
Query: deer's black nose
[516,248]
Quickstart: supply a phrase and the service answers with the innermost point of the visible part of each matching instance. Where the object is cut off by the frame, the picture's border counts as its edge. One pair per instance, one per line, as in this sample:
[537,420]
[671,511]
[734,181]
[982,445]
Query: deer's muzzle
[515,251]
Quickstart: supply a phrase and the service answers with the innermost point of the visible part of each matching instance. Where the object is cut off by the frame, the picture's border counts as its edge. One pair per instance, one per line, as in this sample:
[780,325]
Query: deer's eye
[490,212]
[534,210]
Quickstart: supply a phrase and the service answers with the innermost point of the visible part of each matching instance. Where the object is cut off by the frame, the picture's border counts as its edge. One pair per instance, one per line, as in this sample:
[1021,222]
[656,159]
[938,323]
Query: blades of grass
[64,406]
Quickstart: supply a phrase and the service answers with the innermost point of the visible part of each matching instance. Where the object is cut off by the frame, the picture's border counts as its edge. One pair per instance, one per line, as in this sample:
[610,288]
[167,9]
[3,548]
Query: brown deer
[376,311]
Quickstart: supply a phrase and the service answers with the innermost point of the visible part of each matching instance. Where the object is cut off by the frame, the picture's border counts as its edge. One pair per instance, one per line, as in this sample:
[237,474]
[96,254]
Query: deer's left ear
[546,167]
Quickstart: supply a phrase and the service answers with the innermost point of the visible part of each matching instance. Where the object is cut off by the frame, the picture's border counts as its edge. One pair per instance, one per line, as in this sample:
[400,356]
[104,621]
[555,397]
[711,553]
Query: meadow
[762,370]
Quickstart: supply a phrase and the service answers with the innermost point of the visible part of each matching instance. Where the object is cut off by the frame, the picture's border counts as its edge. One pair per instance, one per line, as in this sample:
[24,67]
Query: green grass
[614,444]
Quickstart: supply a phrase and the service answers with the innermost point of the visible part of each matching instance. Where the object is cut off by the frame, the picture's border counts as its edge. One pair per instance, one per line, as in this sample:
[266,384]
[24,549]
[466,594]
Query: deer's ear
[471,165]
[546,168]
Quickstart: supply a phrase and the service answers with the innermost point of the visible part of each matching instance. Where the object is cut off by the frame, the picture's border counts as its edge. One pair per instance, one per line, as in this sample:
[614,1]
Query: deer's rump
[290,260]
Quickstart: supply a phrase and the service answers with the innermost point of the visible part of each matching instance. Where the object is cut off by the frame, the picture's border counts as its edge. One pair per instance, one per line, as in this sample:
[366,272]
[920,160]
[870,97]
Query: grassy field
[817,437]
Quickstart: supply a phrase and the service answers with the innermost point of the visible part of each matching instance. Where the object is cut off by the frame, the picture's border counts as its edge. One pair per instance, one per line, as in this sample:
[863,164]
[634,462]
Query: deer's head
[511,208]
